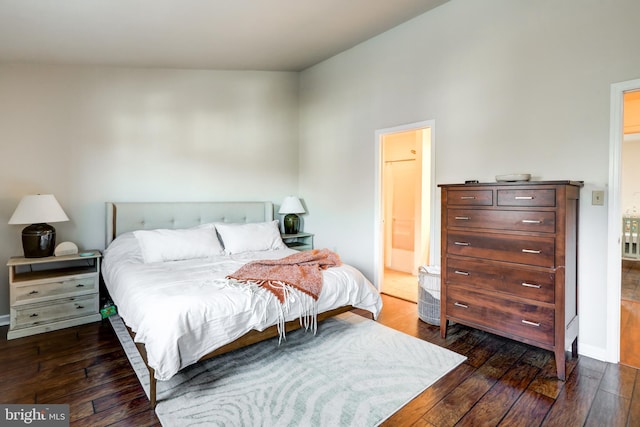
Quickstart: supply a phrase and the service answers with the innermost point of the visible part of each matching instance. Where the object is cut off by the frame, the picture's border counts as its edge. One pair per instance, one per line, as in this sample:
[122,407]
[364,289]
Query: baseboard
[4,320]
[597,353]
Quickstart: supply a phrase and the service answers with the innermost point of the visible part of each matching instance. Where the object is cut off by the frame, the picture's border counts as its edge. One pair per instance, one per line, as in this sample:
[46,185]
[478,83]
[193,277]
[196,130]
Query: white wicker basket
[429,295]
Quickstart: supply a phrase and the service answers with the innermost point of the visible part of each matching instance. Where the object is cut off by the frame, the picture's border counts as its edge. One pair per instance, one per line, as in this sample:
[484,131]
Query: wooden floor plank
[497,402]
[573,404]
[609,410]
[619,380]
[634,412]
[530,410]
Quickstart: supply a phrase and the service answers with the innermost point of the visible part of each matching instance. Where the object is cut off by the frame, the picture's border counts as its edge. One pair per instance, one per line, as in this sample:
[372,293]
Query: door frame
[378,235]
[614,253]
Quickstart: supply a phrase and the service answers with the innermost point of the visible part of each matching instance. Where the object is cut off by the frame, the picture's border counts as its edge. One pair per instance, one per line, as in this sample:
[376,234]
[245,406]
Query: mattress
[183,310]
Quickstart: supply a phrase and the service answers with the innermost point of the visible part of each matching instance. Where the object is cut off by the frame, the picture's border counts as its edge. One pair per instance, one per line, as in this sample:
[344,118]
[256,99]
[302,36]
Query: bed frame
[124,217]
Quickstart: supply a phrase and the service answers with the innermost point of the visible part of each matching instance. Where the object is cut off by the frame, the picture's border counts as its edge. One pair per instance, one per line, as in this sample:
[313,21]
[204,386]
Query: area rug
[353,372]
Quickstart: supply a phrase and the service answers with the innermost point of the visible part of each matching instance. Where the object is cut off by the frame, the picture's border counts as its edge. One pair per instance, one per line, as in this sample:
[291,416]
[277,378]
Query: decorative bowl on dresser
[53,292]
[509,261]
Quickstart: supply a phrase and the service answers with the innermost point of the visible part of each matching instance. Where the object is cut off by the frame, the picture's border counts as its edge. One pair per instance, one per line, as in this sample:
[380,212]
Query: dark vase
[291,224]
[38,240]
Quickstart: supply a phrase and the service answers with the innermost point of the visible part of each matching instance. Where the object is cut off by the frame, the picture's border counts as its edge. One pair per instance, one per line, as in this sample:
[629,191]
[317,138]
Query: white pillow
[173,245]
[255,236]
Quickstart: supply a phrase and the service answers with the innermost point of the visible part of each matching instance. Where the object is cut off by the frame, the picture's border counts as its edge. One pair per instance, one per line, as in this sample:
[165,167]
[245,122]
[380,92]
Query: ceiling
[283,35]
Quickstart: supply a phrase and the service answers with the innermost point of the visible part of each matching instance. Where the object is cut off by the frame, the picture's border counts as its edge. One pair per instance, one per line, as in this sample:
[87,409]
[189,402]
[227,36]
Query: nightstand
[53,292]
[298,241]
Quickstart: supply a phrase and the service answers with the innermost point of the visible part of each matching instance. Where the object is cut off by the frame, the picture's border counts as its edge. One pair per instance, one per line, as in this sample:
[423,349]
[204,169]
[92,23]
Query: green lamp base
[291,224]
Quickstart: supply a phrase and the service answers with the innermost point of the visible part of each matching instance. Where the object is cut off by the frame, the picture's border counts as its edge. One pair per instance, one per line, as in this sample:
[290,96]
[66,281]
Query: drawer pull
[531,285]
[80,285]
[524,197]
[467,197]
[79,307]
[531,221]
[463,244]
[462,218]
[463,273]
[531,251]
[526,322]
[457,304]
[34,315]
[33,292]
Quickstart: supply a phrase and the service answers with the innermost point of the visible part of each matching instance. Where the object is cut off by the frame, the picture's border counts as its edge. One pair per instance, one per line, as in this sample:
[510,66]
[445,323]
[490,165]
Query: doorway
[404,194]
[630,204]
[616,232]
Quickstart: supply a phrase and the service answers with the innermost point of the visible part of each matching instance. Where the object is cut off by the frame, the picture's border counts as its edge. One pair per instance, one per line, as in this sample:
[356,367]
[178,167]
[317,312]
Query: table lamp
[39,238]
[291,206]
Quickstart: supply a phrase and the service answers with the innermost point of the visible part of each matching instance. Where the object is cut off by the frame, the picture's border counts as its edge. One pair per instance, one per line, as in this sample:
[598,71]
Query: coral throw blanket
[302,271]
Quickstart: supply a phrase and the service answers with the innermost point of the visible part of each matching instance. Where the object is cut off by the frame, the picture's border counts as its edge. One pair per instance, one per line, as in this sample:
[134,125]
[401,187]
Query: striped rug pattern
[354,372]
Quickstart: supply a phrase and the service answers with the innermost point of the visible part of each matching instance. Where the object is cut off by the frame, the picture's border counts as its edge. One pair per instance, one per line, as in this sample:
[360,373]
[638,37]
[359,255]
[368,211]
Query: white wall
[91,135]
[513,87]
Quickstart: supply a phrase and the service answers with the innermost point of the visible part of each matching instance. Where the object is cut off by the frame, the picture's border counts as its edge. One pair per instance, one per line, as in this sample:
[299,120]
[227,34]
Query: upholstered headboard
[124,217]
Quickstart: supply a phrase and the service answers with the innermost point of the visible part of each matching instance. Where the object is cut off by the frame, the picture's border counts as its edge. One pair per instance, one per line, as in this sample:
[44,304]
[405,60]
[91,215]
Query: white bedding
[182,310]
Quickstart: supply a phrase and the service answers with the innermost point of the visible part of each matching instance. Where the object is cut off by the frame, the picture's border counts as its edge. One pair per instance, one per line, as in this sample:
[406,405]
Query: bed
[168,277]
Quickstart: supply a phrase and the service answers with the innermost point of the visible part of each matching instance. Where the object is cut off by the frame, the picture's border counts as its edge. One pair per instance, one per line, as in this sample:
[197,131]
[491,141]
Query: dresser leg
[560,367]
[443,328]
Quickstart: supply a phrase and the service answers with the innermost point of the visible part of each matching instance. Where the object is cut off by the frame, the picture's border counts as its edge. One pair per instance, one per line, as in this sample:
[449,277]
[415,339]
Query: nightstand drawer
[66,308]
[46,291]
[542,222]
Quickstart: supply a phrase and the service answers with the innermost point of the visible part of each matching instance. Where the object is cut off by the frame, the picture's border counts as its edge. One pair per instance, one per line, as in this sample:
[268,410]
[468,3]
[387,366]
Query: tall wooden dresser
[509,261]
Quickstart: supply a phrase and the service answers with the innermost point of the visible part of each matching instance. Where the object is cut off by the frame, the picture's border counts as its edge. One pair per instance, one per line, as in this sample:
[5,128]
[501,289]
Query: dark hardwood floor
[501,383]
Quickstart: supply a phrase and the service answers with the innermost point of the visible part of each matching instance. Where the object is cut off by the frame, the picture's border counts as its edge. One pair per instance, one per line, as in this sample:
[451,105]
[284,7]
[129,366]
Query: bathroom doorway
[405,208]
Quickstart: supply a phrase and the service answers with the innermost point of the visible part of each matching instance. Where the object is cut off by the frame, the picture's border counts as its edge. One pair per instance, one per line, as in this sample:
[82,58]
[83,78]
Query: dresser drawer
[530,284]
[527,197]
[512,319]
[64,308]
[56,289]
[543,222]
[531,250]
[470,197]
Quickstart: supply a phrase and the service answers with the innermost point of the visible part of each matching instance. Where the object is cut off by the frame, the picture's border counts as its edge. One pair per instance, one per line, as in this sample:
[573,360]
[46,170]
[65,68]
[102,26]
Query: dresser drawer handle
[80,285]
[467,197]
[462,243]
[457,304]
[79,307]
[531,251]
[463,273]
[531,221]
[531,285]
[33,292]
[34,315]
[524,197]
[526,322]
[462,218]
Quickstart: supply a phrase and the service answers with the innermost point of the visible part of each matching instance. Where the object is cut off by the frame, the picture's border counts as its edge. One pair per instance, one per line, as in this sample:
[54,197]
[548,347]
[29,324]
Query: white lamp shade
[291,205]
[37,209]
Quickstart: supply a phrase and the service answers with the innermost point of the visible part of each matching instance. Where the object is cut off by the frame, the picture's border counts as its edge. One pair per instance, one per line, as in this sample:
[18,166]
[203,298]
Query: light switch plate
[597,197]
